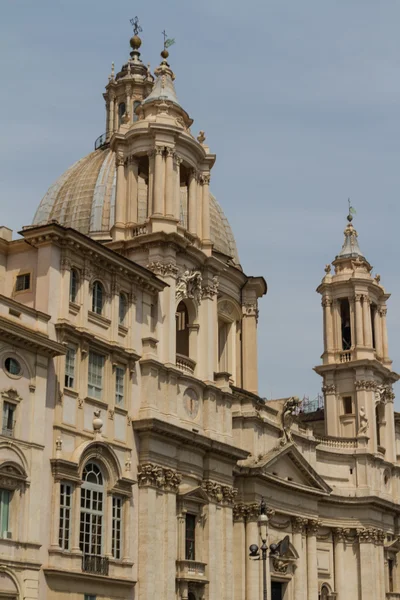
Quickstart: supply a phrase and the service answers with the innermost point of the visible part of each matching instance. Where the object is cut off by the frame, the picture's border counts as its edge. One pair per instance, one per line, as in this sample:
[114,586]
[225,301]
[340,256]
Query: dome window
[97,298]
[121,112]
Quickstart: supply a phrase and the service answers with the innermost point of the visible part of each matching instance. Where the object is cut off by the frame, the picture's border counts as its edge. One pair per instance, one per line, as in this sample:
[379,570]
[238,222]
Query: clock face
[191,403]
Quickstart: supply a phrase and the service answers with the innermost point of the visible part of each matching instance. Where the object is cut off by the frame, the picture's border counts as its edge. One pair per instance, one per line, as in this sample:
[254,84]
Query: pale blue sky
[299,100]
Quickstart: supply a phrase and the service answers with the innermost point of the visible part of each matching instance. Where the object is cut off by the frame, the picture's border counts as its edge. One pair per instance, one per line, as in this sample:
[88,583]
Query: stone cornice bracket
[220,494]
[163,269]
[370,535]
[312,526]
[299,524]
[162,478]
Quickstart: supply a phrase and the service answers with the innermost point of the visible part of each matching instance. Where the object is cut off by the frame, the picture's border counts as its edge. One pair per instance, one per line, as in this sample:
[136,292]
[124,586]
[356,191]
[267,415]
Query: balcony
[345,356]
[191,570]
[95,564]
[185,364]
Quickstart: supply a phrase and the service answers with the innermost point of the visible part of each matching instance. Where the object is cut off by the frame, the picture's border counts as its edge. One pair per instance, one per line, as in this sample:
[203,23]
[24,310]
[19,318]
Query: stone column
[56,515]
[328,329]
[111,114]
[368,579]
[150,188]
[192,202]
[158,182]
[385,346]
[331,410]
[120,204]
[75,513]
[199,205]
[312,567]
[132,204]
[206,209]
[253,566]
[240,551]
[169,183]
[367,322]
[177,192]
[390,438]
[340,567]
[378,334]
[298,525]
[128,102]
[249,346]
[359,324]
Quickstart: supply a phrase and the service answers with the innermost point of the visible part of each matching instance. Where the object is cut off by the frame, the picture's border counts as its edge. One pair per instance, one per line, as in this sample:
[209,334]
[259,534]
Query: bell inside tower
[345,323]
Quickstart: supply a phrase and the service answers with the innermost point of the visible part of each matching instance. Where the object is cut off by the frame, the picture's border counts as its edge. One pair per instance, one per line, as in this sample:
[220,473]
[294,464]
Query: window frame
[95,390]
[70,370]
[65,513]
[9,373]
[92,520]
[22,277]
[120,385]
[117,506]
[190,552]
[73,285]
[98,297]
[7,430]
[5,512]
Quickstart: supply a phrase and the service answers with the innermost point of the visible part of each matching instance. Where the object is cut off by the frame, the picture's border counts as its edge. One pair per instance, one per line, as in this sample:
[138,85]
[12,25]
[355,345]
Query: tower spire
[350,248]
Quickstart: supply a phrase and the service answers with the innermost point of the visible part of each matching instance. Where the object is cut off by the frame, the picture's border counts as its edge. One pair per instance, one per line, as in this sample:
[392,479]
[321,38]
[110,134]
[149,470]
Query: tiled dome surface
[84,198]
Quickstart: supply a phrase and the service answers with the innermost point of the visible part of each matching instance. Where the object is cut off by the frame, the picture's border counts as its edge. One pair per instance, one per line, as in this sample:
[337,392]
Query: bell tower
[356,368]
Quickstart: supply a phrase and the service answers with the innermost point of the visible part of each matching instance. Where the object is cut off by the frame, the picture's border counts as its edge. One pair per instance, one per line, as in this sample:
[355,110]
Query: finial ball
[135,42]
[165,54]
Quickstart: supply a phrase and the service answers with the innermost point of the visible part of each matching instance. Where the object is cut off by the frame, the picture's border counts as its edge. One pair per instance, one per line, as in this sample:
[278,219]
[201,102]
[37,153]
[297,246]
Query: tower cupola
[355,359]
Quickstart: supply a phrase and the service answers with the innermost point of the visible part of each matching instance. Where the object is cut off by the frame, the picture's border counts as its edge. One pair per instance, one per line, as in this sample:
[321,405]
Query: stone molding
[370,535]
[220,494]
[329,389]
[162,478]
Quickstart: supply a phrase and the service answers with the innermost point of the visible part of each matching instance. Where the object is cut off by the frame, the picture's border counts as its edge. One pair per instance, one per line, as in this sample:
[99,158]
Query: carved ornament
[10,478]
[299,524]
[165,479]
[362,384]
[341,534]
[249,512]
[384,394]
[326,301]
[313,526]
[163,269]
[221,494]
[119,159]
[250,309]
[370,535]
[329,389]
[288,413]
[210,290]
[189,285]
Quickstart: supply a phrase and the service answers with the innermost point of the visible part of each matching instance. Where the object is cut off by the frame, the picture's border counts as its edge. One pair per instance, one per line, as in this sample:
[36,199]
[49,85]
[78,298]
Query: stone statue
[327,269]
[363,422]
[189,285]
[287,419]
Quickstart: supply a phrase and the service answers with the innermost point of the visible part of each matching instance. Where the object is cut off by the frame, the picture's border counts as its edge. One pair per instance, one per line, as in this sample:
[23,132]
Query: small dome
[84,198]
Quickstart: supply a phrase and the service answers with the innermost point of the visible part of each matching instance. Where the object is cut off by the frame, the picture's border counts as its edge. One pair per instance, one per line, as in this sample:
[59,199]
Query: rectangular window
[119,385]
[8,419]
[70,367]
[347,405]
[23,282]
[390,573]
[190,527]
[4,512]
[89,597]
[95,375]
[116,526]
[65,516]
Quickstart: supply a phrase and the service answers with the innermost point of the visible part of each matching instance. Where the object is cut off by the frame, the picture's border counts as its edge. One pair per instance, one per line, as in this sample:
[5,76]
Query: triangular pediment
[288,466]
[196,494]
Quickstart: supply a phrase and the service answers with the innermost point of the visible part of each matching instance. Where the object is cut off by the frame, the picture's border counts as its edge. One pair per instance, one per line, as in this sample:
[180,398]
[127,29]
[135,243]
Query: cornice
[88,577]
[173,432]
[29,339]
[354,364]
[37,314]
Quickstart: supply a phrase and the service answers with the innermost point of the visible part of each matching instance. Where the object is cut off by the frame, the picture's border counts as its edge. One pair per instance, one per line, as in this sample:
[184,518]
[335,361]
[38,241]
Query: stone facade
[134,448]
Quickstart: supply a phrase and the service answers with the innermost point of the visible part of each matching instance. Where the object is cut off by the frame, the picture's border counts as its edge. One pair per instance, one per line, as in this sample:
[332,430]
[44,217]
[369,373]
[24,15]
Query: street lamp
[254,550]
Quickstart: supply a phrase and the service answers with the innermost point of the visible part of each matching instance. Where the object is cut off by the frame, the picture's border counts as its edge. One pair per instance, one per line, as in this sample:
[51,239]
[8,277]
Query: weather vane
[352,211]
[167,41]
[136,27]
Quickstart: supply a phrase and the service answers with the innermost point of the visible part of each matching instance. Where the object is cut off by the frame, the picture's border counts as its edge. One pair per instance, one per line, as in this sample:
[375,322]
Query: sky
[299,101]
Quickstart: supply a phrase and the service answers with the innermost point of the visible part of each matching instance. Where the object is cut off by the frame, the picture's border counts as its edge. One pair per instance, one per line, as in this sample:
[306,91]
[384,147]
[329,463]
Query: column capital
[382,311]
[299,524]
[152,475]
[340,534]
[370,535]
[329,389]
[357,297]
[326,301]
[119,159]
[177,159]
[313,526]
[169,152]
[159,150]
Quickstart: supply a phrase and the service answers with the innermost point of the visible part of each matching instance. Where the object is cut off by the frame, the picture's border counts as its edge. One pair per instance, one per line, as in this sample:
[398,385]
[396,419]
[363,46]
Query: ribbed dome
[84,198]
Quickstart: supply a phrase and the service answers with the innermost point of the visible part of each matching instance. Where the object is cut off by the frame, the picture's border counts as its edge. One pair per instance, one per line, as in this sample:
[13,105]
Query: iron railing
[102,140]
[93,563]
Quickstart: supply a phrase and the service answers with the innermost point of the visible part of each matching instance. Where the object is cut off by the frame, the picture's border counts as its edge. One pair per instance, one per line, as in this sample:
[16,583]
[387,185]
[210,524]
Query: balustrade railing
[102,140]
[337,442]
[8,430]
[93,563]
[191,568]
[185,364]
[345,357]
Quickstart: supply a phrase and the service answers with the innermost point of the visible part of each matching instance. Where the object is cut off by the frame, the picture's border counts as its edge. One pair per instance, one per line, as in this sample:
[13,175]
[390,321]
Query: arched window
[136,103]
[97,298]
[182,330]
[121,112]
[123,306]
[73,285]
[92,511]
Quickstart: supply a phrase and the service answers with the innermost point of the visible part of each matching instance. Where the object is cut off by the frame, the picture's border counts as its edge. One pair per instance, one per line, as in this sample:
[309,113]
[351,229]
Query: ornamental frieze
[362,384]
[151,475]
[163,269]
[221,494]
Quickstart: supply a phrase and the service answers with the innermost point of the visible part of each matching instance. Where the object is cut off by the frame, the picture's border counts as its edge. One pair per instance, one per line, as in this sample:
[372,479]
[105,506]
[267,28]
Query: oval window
[12,366]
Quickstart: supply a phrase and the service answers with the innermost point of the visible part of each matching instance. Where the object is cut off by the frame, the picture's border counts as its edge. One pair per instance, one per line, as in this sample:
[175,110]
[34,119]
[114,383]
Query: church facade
[137,459]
